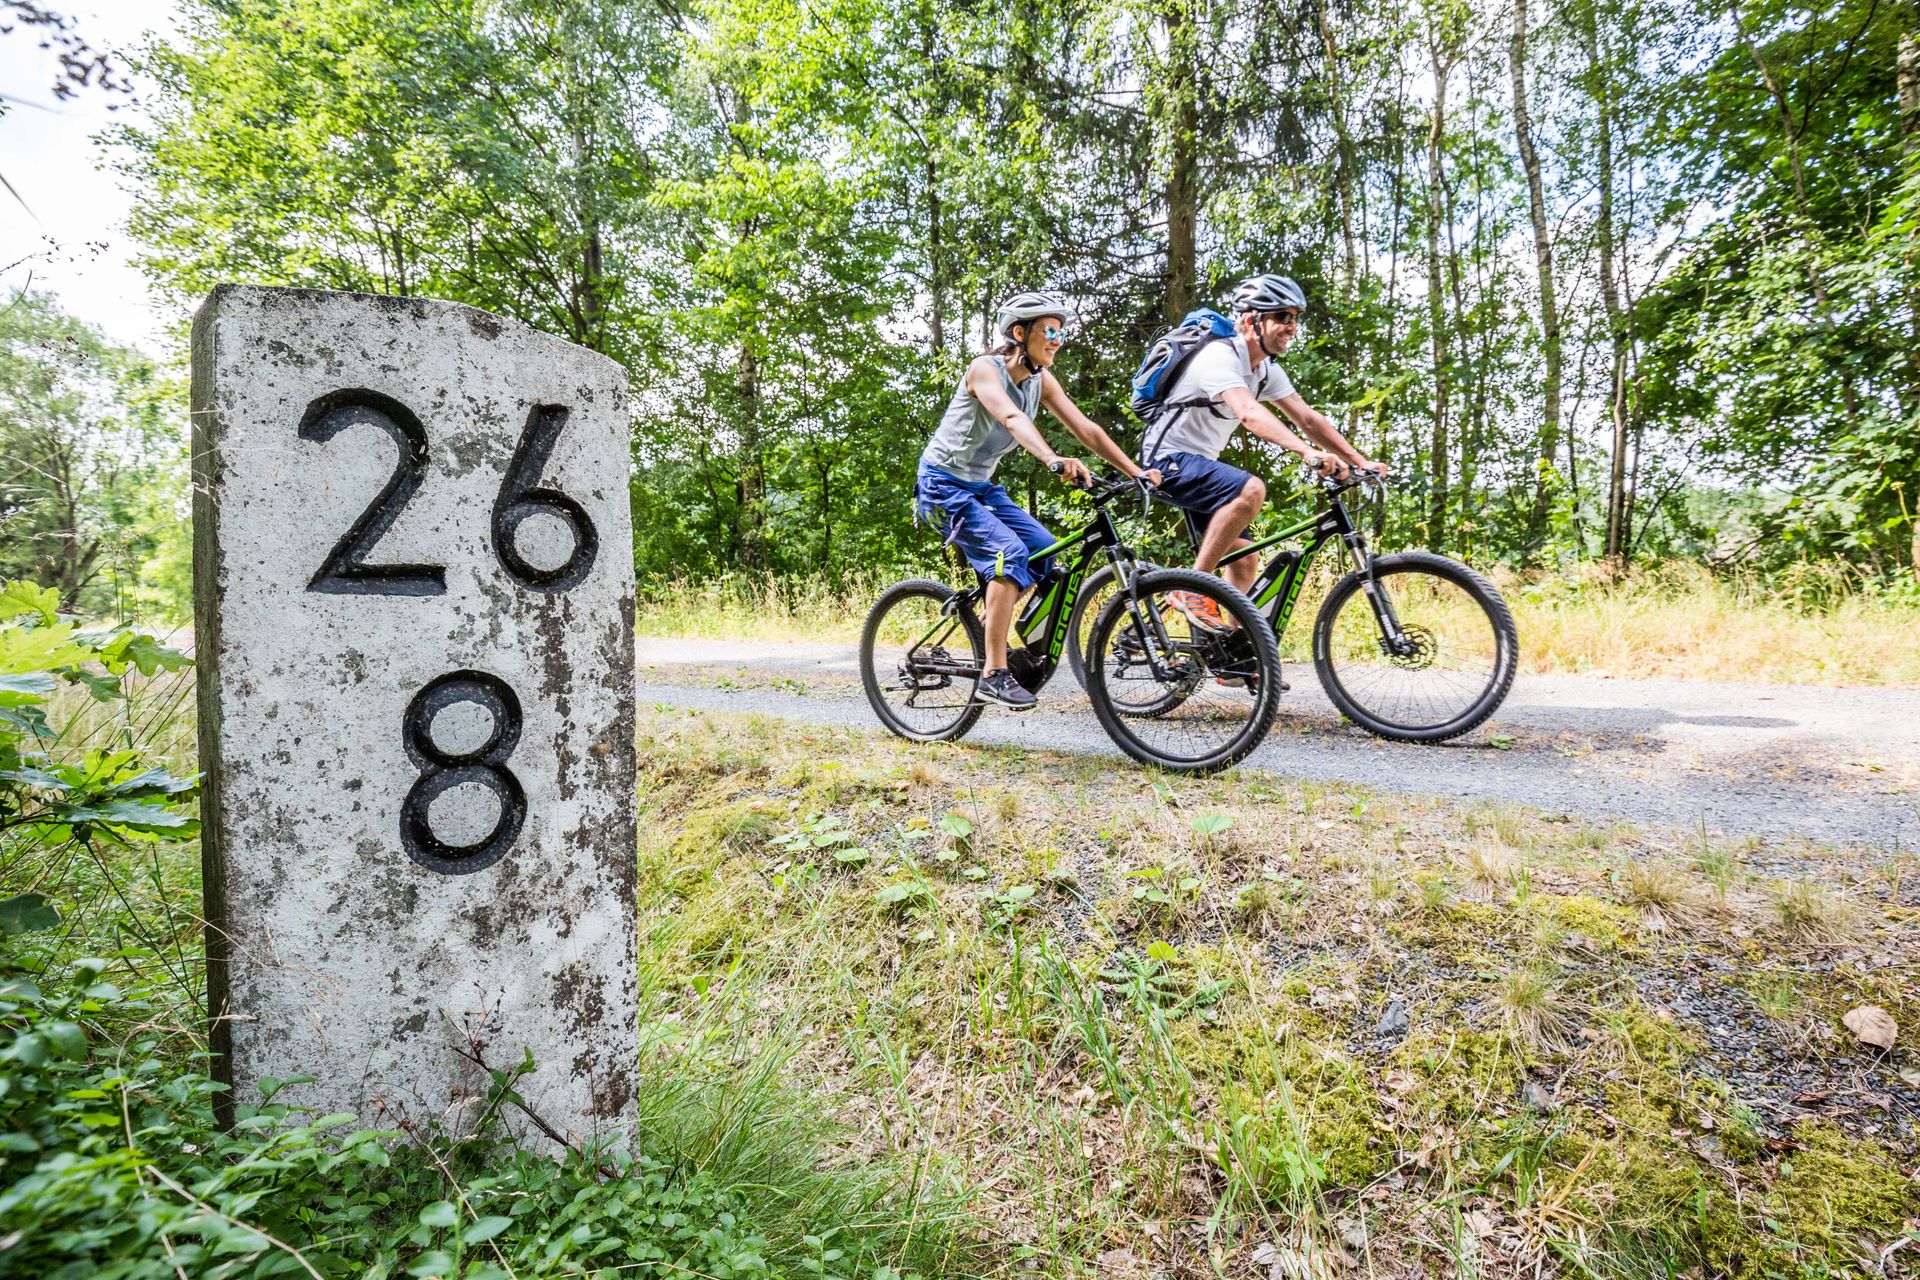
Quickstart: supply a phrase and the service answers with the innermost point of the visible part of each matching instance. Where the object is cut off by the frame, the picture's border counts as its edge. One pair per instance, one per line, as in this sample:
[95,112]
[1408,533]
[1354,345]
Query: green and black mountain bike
[1412,646]
[1169,692]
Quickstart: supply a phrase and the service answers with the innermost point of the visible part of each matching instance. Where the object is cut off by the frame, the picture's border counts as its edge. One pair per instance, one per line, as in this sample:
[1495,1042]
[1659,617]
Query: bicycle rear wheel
[1454,667]
[920,658]
[1172,693]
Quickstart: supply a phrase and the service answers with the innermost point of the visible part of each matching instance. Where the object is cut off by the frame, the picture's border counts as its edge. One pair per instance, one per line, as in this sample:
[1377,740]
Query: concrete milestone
[413,579]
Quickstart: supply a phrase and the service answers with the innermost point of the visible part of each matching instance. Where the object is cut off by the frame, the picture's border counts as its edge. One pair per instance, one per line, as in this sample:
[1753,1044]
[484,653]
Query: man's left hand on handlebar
[1325,465]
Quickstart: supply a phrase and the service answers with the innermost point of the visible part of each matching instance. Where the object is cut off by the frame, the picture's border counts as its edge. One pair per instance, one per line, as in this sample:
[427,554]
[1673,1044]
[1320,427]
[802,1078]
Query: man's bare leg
[1243,571]
[1223,535]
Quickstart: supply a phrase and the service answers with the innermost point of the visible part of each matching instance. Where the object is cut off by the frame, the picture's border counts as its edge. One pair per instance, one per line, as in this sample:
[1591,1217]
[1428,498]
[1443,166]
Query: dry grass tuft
[1535,1011]
[1489,867]
[1660,893]
[1810,913]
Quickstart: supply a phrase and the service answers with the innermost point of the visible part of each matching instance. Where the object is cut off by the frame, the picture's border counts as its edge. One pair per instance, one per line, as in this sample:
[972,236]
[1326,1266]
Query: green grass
[1150,1039]
[112,1163]
[970,1011]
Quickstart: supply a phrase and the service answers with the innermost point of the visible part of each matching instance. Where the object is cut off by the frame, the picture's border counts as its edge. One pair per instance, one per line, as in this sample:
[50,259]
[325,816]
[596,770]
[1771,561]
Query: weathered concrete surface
[361,930]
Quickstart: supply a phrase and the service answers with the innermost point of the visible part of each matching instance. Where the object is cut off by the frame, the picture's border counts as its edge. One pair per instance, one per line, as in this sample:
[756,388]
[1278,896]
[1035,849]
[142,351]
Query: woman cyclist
[992,411]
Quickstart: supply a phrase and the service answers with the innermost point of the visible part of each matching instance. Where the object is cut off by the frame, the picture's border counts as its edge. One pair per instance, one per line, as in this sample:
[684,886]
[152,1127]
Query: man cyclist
[1223,386]
[992,412]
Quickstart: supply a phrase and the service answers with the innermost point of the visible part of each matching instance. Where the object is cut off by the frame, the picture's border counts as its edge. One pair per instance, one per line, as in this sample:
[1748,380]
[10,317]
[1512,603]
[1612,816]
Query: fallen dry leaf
[1871,1024]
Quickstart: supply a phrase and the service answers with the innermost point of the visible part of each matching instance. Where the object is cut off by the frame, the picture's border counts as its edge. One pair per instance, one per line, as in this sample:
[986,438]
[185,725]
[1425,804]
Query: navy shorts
[993,532]
[1199,486]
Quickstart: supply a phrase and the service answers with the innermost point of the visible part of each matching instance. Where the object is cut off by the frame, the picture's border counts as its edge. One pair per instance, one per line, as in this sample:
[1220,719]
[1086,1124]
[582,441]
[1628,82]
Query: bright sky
[72,235]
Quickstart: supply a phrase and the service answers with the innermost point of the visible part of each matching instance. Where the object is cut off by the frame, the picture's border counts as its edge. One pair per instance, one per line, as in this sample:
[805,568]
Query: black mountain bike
[1412,646]
[1168,692]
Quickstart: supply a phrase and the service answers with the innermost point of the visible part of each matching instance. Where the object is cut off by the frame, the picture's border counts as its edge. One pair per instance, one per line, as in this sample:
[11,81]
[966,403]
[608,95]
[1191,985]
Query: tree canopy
[1600,278]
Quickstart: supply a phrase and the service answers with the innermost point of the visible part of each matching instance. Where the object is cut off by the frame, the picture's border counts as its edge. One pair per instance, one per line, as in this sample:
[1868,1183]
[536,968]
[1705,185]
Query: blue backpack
[1169,355]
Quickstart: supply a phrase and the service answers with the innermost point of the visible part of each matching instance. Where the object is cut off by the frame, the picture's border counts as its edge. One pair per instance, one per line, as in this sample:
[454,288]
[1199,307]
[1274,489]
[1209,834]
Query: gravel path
[1835,765]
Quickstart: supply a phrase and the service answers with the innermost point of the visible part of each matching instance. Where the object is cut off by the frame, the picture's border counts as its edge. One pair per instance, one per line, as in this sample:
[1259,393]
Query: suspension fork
[1392,634]
[1127,569]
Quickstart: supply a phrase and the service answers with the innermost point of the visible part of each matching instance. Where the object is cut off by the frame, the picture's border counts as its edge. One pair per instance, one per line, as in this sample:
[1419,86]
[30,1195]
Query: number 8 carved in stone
[442,770]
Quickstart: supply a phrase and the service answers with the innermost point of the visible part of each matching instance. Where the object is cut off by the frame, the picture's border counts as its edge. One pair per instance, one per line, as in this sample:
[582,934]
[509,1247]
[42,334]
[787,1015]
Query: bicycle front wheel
[1174,693]
[1452,666]
[920,658]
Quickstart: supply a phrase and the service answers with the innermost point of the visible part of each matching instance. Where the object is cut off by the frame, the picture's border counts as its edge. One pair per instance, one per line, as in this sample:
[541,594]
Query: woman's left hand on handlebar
[1152,476]
[1074,472]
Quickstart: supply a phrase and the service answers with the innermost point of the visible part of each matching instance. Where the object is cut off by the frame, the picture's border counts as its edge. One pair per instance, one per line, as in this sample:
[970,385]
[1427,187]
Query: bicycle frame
[1043,625]
[1277,589]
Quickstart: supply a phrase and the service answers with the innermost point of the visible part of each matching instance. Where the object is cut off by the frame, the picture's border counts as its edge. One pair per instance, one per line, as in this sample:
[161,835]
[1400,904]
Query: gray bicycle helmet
[1022,307]
[1267,293]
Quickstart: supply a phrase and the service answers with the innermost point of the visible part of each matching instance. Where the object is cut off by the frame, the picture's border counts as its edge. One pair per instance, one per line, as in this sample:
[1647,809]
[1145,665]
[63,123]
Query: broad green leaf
[22,597]
[27,913]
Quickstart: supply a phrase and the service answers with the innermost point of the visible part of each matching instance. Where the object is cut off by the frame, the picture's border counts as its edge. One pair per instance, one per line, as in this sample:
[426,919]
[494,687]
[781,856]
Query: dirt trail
[1835,765]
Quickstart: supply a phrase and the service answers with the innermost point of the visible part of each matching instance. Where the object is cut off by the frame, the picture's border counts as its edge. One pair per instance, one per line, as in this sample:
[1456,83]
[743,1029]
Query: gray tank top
[970,442]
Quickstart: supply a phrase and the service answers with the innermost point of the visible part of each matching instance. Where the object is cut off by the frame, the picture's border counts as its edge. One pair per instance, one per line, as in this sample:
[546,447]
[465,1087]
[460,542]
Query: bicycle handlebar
[1355,477]
[1105,488]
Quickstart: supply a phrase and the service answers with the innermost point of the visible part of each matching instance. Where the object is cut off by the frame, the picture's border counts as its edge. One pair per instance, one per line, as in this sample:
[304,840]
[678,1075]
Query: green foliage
[52,794]
[114,1167]
[92,464]
[791,223]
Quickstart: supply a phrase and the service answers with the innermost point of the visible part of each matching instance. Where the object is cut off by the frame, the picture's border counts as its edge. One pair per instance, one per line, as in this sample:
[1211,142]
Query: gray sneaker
[1000,686]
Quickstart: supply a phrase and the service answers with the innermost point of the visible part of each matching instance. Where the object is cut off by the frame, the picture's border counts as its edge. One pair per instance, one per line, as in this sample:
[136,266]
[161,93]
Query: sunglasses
[1283,317]
[1054,332]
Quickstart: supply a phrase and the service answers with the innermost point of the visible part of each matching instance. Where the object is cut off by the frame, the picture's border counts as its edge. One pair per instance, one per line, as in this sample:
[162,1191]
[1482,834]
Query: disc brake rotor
[1419,652]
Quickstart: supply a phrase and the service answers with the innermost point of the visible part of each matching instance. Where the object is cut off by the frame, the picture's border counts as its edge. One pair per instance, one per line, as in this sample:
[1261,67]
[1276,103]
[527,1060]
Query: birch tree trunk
[1549,438]
[1439,447]
[1616,541]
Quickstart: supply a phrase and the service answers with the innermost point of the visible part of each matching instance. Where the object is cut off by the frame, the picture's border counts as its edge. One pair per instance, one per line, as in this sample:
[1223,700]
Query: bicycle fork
[1393,637]
[1153,632]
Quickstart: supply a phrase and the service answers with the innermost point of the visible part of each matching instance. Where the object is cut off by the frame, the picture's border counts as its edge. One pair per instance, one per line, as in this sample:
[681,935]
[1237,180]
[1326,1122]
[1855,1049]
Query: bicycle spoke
[1165,679]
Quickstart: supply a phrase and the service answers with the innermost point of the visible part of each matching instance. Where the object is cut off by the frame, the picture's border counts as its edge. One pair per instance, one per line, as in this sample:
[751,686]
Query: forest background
[1606,281]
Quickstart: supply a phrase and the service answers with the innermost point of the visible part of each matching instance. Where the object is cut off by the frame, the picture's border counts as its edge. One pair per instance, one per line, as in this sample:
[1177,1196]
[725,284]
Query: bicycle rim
[909,638]
[1162,689]
[1449,675]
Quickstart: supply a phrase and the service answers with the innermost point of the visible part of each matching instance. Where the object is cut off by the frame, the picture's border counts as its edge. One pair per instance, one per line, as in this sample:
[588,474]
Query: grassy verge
[111,1163]
[1676,621]
[1239,1027]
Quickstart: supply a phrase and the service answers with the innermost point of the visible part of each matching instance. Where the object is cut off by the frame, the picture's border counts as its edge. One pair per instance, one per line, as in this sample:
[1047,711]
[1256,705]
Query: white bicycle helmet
[1023,307]
[1267,293]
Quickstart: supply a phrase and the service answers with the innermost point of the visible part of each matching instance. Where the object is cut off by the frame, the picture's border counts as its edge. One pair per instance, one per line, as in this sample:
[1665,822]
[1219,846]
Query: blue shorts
[993,532]
[1199,486]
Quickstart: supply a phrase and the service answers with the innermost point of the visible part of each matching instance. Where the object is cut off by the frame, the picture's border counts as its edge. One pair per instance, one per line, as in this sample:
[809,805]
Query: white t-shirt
[1205,428]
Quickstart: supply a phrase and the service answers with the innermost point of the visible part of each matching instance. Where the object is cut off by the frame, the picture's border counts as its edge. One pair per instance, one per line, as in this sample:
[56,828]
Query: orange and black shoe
[1200,610]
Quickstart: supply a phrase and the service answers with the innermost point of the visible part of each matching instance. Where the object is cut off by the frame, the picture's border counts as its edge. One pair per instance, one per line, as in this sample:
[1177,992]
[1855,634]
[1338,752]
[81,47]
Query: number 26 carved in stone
[345,570]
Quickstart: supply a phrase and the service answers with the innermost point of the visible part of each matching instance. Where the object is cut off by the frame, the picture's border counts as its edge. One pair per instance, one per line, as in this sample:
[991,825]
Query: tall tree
[1550,342]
